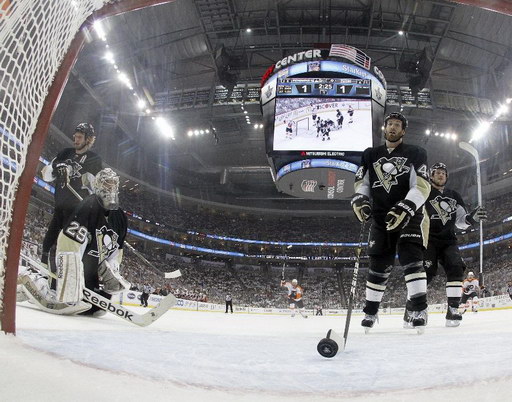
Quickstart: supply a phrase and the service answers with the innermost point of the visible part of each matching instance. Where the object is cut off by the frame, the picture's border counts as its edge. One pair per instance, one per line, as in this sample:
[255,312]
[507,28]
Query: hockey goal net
[39,42]
[302,127]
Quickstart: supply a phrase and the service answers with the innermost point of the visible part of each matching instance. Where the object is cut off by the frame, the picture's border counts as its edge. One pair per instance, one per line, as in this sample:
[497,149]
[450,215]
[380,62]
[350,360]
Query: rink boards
[132,298]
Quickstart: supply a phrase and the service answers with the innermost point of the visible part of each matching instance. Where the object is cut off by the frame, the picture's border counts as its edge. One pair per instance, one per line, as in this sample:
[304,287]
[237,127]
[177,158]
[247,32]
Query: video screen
[322,124]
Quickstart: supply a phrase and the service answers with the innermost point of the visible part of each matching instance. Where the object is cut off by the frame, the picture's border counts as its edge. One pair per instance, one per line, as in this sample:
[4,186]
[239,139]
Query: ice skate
[419,320]
[368,321]
[453,317]
[407,320]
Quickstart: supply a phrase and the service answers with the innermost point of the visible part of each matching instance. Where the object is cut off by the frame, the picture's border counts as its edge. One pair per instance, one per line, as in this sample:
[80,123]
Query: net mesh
[34,38]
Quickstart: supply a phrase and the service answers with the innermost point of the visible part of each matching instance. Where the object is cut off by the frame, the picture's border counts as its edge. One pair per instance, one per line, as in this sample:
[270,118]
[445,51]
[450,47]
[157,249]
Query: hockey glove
[362,208]
[61,173]
[477,215]
[399,215]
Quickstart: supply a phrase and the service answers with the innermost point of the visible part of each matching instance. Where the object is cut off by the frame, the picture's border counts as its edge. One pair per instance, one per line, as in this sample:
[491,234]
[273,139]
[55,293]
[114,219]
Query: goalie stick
[167,275]
[102,302]
[329,346]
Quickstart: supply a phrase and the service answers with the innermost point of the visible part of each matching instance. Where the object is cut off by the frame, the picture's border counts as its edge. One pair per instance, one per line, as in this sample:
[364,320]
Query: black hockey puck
[327,348]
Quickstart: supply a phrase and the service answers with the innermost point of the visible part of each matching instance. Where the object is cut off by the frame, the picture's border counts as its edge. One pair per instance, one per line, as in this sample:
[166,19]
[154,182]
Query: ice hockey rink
[189,356]
[354,135]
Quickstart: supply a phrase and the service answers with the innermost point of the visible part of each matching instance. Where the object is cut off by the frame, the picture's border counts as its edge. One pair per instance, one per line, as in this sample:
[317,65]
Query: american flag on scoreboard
[351,53]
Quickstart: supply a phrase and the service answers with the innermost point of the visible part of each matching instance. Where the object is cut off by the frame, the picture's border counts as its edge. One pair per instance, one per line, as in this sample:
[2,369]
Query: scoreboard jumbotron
[321,108]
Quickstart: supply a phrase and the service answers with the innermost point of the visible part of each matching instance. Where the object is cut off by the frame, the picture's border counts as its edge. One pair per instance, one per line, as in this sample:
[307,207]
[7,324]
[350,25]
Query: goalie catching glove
[477,215]
[399,215]
[362,208]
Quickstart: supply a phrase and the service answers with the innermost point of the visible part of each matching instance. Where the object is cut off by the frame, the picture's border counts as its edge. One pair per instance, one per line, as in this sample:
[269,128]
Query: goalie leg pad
[70,277]
[36,290]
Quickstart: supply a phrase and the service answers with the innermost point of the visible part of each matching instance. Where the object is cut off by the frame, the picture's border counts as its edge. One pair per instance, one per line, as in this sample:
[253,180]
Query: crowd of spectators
[259,286]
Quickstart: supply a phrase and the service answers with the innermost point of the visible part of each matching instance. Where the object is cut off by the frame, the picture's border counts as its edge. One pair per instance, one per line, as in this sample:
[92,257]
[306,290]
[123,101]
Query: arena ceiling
[173,49]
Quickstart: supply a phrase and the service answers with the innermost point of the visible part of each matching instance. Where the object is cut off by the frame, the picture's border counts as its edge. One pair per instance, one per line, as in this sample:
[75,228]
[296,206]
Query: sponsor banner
[183,304]
[317,182]
[317,163]
[133,298]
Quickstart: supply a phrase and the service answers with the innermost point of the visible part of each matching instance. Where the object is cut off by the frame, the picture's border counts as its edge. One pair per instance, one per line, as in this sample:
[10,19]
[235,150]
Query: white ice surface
[189,356]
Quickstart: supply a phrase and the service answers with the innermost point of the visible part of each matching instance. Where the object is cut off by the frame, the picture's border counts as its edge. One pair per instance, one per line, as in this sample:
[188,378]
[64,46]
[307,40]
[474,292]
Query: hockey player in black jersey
[447,211]
[74,167]
[391,187]
[89,253]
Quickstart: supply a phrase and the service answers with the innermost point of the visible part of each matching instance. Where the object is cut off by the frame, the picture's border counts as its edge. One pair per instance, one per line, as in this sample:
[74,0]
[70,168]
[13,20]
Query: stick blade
[173,274]
[155,313]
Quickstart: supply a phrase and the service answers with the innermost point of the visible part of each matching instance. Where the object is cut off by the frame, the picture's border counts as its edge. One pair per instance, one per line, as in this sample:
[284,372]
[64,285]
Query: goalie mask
[106,188]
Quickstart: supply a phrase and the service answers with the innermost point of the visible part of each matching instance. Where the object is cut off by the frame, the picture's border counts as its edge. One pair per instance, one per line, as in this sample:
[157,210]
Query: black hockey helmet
[398,116]
[438,165]
[86,128]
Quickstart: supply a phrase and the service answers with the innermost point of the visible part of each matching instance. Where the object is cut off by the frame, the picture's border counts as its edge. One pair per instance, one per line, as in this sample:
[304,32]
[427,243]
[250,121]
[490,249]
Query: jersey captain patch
[388,169]
[444,208]
[106,240]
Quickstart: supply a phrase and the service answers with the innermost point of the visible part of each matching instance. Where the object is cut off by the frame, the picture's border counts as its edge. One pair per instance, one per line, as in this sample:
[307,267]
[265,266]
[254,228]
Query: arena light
[123,78]
[481,130]
[196,132]
[164,127]
[401,33]
[436,133]
[109,56]
[190,133]
[503,109]
[98,27]
[256,126]
[454,136]
[509,100]
[141,104]
[248,30]
[147,111]
[201,132]
[427,132]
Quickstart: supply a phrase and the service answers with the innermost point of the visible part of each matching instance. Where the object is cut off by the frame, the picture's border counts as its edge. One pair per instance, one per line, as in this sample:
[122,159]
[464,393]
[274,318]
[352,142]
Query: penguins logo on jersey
[106,241]
[388,170]
[444,207]
[75,169]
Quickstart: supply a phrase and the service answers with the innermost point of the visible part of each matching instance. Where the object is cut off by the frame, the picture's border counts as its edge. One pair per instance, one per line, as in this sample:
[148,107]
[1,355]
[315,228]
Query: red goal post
[39,43]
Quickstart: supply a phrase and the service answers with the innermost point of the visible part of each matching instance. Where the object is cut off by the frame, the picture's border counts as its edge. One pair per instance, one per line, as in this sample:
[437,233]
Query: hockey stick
[142,320]
[174,274]
[474,153]
[329,346]
[102,302]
